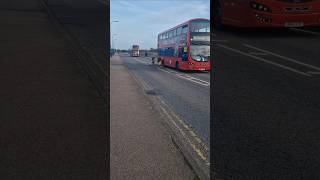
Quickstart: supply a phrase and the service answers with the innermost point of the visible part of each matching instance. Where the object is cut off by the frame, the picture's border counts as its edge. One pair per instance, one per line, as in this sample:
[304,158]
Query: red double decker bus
[186,46]
[266,13]
[135,51]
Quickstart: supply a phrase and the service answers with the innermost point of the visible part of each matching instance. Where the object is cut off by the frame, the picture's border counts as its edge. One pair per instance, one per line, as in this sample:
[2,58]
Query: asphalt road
[86,20]
[187,93]
[266,104]
[53,121]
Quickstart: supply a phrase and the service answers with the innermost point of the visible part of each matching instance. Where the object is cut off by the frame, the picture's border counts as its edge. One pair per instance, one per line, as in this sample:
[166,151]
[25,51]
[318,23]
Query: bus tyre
[217,14]
[177,65]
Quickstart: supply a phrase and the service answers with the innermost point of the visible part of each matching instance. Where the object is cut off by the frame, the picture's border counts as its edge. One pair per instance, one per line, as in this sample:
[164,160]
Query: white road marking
[183,76]
[192,79]
[143,62]
[306,31]
[283,57]
[258,53]
[220,40]
[188,76]
[265,60]
[313,72]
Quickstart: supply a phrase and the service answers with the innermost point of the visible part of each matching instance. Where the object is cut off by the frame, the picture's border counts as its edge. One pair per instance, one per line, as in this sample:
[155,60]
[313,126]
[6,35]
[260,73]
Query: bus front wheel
[160,61]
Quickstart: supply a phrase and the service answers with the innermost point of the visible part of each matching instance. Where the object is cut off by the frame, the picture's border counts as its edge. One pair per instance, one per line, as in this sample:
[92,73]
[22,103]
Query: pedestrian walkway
[53,123]
[140,146]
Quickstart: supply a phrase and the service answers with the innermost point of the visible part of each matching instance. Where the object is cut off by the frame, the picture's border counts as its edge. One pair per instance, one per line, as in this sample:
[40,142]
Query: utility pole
[111,43]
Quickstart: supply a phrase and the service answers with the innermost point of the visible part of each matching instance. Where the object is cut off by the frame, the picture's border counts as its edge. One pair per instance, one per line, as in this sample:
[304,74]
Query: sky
[140,21]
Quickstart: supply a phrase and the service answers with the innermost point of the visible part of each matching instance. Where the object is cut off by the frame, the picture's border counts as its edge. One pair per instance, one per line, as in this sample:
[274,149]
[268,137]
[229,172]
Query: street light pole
[110,32]
[112,40]
[114,44]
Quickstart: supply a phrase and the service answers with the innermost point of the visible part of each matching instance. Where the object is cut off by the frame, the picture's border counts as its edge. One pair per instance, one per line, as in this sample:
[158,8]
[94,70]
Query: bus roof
[186,22]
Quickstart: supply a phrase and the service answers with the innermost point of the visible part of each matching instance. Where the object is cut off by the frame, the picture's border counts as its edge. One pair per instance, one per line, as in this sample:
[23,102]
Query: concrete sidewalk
[140,145]
[53,123]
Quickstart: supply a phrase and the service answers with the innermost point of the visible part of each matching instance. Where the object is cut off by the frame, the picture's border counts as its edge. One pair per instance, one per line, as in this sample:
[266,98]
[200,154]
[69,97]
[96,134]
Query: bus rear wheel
[177,65]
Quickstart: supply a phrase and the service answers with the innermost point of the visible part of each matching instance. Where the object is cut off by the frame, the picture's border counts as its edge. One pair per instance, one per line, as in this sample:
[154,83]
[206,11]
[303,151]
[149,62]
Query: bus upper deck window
[179,30]
[185,29]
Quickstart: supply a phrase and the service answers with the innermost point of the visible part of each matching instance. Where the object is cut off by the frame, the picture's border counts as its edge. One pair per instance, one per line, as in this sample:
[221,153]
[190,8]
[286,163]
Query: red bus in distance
[266,13]
[186,46]
[135,51]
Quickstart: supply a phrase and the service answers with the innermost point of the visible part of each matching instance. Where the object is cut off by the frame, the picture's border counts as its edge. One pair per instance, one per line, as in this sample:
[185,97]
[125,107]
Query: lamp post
[112,41]
[114,45]
[110,32]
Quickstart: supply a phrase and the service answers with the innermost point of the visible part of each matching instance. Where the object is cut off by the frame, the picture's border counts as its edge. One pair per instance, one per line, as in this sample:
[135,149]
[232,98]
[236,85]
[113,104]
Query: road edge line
[82,54]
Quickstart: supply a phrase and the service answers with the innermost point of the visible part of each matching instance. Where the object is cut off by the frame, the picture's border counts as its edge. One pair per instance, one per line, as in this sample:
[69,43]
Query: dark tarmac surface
[53,122]
[266,104]
[189,99]
[86,20]
[140,145]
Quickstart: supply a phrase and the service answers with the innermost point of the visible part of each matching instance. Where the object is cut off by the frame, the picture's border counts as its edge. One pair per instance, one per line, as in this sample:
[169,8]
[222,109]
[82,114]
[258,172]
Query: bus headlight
[260,7]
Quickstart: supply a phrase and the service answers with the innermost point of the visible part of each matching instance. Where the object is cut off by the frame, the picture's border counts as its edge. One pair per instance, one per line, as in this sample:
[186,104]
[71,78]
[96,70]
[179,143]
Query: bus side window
[179,30]
[161,52]
[184,54]
[170,51]
[180,52]
[185,29]
[176,52]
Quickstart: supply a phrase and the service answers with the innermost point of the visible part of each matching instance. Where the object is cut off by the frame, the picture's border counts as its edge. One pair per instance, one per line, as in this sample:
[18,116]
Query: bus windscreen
[200,52]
